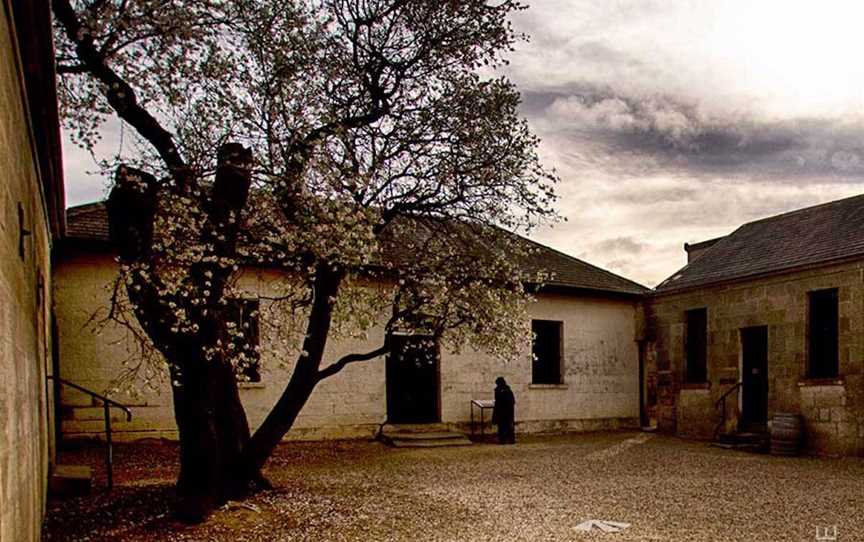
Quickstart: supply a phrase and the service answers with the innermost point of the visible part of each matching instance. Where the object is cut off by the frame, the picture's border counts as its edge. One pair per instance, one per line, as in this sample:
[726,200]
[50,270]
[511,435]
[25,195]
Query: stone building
[771,317]
[31,211]
[586,376]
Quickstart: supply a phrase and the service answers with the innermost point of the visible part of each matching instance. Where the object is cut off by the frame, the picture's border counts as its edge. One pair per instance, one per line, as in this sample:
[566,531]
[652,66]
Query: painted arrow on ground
[603,525]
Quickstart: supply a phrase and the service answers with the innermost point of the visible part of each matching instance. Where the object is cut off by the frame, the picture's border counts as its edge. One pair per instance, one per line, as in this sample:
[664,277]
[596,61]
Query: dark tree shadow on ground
[126,511]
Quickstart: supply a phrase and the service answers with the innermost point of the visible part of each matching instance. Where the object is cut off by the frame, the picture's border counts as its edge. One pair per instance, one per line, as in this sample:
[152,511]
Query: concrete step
[70,480]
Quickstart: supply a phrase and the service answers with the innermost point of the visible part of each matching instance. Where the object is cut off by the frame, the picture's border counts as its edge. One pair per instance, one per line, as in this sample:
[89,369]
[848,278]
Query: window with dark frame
[696,346]
[243,314]
[822,332]
[546,350]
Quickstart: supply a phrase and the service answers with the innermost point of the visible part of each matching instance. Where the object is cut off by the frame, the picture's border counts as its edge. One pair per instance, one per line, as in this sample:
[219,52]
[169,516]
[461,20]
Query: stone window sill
[696,386]
[813,382]
[547,386]
[251,385]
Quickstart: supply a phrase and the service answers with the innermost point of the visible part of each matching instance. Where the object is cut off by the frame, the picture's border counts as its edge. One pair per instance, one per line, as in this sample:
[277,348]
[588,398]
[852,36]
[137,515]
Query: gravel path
[539,489]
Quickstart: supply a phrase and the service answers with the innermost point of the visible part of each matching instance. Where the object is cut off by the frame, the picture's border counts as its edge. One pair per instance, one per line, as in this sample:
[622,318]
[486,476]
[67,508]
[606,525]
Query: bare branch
[337,366]
[119,93]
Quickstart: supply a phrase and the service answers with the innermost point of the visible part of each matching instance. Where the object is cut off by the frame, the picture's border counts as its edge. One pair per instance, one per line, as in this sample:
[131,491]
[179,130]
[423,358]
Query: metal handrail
[722,402]
[106,405]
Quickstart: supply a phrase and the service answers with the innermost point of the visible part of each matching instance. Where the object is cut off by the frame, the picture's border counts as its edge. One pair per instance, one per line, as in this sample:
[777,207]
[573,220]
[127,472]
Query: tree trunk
[305,376]
[218,459]
[210,418]
[213,434]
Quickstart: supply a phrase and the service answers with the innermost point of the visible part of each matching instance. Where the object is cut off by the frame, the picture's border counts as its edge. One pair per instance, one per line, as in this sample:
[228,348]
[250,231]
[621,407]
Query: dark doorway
[754,391]
[412,380]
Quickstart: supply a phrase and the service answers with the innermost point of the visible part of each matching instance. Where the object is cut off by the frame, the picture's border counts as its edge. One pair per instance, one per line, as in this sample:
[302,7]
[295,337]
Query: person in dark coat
[503,415]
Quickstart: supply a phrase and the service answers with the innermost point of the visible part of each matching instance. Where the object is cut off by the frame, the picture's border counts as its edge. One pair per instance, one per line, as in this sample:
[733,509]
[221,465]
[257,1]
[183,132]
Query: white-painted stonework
[600,367]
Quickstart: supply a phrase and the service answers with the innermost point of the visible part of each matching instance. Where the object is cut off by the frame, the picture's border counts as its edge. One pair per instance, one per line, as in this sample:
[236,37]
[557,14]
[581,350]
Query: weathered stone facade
[25,294]
[600,368]
[833,410]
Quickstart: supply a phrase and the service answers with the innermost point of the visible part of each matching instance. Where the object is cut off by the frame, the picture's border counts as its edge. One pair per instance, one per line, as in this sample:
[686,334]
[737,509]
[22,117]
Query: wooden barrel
[786,434]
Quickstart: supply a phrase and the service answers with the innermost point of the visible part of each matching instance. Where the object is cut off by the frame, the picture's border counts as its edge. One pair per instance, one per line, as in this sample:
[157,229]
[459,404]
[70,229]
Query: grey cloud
[600,53]
[619,245]
[679,136]
[658,195]
[621,265]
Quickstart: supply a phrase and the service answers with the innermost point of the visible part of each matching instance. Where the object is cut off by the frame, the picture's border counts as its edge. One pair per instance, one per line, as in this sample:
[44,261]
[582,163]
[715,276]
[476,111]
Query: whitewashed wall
[600,387]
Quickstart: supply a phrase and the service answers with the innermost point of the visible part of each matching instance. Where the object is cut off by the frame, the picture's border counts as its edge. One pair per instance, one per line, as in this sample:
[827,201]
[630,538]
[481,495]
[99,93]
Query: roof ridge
[814,235]
[802,210]
[583,262]
[86,206]
[574,272]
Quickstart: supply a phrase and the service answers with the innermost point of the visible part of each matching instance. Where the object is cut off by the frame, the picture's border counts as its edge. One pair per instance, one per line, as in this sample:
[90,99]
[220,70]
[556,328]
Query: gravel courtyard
[539,489]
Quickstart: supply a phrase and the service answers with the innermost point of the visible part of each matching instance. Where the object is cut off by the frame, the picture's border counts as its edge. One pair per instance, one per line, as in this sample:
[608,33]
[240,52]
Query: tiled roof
[570,272]
[89,222]
[814,235]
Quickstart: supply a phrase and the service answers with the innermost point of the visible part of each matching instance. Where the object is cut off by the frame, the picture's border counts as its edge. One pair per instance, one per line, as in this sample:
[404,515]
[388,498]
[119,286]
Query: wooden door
[412,380]
[754,378]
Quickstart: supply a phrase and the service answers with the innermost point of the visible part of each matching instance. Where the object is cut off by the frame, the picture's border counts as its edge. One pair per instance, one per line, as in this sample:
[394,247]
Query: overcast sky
[675,121]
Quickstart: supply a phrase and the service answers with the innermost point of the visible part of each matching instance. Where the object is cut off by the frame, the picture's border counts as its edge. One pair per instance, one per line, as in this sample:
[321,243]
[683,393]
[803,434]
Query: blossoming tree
[354,144]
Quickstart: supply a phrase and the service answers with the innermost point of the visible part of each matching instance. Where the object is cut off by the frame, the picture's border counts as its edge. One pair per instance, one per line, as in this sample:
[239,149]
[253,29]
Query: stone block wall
[833,411]
[24,312]
[829,422]
[695,413]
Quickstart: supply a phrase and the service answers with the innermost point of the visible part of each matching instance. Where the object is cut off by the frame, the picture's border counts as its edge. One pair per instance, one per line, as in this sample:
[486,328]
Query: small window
[822,333]
[242,317]
[696,346]
[546,349]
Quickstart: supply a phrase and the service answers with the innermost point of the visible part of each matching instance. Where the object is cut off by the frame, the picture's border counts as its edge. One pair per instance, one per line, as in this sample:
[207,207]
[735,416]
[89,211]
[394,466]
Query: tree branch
[119,93]
[337,366]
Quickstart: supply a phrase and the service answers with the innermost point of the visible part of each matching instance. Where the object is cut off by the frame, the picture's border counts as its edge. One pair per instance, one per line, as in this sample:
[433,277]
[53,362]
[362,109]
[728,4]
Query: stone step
[743,440]
[70,480]
[427,435]
[415,428]
[743,437]
[91,413]
[458,440]
[438,435]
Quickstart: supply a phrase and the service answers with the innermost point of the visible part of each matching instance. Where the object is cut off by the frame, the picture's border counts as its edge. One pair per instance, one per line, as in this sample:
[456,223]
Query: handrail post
[722,404]
[106,405]
[109,452]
